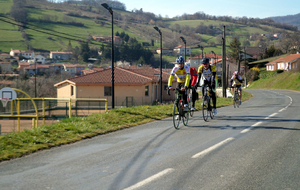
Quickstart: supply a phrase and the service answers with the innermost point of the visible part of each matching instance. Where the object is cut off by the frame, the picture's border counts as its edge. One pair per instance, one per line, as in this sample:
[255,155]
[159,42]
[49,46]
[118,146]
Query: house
[289,62]
[255,52]
[99,38]
[7,58]
[36,69]
[196,60]
[74,69]
[61,55]
[28,54]
[180,50]
[39,59]
[5,67]
[140,85]
[165,51]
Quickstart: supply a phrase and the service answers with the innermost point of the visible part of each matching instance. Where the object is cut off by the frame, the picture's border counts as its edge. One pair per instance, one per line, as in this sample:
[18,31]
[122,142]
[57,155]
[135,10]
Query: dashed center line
[206,151]
[150,179]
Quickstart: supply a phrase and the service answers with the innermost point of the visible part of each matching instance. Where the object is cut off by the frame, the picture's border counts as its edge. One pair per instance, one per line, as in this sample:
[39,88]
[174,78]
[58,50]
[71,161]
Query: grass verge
[67,131]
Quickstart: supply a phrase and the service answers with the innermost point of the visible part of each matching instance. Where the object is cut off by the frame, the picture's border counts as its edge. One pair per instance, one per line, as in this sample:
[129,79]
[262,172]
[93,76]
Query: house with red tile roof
[25,53]
[141,85]
[61,55]
[180,50]
[289,62]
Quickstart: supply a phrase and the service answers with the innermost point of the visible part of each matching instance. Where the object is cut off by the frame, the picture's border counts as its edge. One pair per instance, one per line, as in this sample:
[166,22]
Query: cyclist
[193,84]
[182,73]
[236,80]
[209,74]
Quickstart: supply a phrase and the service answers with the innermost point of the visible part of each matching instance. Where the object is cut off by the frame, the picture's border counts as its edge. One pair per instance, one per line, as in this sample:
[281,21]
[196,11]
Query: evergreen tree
[234,49]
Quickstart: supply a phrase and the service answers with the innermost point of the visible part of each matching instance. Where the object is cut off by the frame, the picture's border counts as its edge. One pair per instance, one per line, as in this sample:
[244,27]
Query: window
[72,90]
[107,90]
[146,90]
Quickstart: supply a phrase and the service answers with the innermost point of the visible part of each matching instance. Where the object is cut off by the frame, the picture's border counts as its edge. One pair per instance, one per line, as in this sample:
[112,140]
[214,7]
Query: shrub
[253,74]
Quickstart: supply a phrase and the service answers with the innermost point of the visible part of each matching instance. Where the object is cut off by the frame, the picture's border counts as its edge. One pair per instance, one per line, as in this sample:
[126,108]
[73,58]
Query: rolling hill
[52,26]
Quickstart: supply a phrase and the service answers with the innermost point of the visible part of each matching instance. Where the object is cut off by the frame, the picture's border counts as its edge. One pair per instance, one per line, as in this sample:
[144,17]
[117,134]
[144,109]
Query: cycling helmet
[205,60]
[180,59]
[236,73]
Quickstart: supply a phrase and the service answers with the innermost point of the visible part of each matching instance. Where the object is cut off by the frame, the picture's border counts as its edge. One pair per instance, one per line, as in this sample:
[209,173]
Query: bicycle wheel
[191,113]
[176,115]
[205,108]
[185,117]
[236,100]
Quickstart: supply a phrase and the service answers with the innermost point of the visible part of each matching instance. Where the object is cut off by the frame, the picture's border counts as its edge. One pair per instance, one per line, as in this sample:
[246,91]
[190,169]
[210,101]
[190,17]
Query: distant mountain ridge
[293,20]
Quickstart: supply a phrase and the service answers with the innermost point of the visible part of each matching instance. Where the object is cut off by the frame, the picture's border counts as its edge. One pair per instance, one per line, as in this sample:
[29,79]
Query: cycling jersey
[194,76]
[207,73]
[183,75]
[236,80]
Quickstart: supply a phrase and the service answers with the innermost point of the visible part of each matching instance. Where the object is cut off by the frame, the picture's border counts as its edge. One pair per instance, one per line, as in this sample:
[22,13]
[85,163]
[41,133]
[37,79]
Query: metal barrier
[49,108]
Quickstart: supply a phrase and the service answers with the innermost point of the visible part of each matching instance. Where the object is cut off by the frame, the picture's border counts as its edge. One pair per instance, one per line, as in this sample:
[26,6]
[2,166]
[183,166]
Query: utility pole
[224,64]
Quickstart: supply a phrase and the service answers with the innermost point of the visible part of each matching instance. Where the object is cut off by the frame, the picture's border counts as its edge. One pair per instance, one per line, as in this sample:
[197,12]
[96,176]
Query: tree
[18,11]
[234,49]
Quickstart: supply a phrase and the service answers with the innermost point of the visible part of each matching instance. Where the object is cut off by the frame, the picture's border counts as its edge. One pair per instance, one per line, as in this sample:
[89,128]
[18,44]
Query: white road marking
[148,180]
[212,147]
[254,125]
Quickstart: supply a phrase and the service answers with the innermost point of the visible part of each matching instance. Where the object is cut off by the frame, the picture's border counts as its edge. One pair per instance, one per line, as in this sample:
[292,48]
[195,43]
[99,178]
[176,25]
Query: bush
[253,74]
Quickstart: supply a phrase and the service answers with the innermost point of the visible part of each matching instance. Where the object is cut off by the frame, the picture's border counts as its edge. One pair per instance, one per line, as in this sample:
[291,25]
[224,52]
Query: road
[256,146]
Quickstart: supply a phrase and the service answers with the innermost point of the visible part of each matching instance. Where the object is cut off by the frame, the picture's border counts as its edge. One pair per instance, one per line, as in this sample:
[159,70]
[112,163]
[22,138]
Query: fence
[49,109]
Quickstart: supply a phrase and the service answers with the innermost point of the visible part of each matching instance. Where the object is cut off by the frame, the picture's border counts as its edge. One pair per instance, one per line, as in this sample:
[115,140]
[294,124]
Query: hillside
[293,20]
[274,80]
[52,26]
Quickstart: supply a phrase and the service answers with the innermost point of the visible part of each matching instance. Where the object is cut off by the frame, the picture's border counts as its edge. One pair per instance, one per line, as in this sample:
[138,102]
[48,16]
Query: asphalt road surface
[256,146]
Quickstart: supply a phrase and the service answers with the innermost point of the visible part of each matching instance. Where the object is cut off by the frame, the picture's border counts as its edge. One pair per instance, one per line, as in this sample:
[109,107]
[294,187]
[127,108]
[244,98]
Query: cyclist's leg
[213,96]
[184,96]
[194,96]
[232,90]
[240,92]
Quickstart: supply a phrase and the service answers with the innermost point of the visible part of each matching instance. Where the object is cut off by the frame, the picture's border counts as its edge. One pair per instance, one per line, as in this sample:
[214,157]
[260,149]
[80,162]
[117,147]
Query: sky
[234,8]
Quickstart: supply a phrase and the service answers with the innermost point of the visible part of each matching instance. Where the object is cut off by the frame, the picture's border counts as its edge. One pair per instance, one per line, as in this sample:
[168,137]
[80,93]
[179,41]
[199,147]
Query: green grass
[5,6]
[274,80]
[17,144]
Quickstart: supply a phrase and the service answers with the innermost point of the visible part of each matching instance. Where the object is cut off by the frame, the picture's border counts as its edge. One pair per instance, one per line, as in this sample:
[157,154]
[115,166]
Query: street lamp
[112,55]
[35,78]
[160,76]
[201,47]
[214,57]
[182,38]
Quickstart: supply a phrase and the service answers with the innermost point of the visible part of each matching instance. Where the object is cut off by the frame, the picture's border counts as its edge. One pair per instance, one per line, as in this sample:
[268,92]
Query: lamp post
[112,55]
[215,61]
[201,47]
[35,77]
[224,83]
[160,76]
[182,38]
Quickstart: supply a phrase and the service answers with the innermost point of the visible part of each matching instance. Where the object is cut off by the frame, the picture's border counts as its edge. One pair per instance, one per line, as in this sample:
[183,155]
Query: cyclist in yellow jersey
[182,73]
[208,73]
[236,80]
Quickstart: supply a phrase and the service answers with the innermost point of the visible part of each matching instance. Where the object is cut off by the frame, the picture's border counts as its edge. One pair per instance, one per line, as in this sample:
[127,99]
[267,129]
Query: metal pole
[185,51]
[35,79]
[239,62]
[160,77]
[224,64]
[112,63]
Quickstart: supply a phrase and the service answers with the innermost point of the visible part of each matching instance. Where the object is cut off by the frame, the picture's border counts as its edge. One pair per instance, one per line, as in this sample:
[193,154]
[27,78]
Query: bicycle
[206,105]
[178,110]
[236,101]
[190,105]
